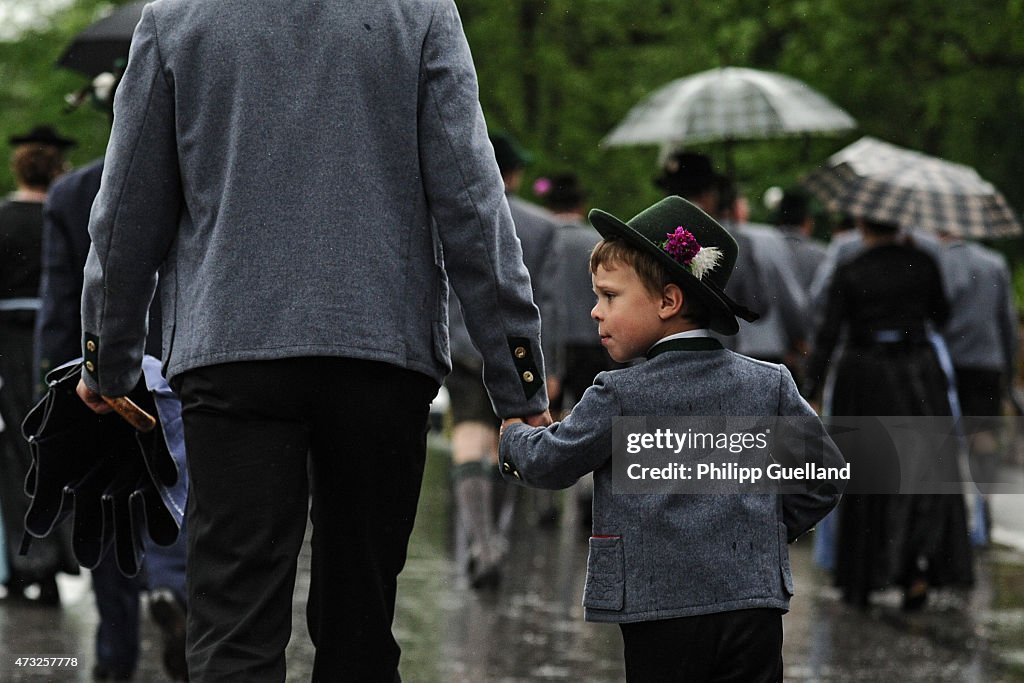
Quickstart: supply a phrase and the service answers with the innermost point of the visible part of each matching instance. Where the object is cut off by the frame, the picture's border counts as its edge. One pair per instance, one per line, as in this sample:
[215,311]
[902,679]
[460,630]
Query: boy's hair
[653,275]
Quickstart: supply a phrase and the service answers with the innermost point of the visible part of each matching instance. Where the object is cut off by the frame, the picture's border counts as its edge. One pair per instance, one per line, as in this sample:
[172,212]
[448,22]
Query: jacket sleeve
[805,439]
[58,335]
[134,218]
[483,256]
[791,299]
[555,457]
[827,336]
[1007,321]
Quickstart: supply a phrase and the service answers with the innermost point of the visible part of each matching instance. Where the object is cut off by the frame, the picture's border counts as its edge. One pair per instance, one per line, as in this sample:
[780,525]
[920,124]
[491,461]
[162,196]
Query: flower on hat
[684,248]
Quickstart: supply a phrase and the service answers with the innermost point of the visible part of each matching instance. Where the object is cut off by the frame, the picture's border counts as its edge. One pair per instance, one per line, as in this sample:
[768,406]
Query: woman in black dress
[889,299]
[37,159]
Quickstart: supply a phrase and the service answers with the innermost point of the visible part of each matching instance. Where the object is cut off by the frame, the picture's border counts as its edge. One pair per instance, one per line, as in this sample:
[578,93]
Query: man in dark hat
[36,160]
[691,176]
[765,274]
[665,567]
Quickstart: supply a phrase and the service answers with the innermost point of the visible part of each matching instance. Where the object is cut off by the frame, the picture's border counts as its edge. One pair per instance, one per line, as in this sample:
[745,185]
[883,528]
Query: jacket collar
[685,344]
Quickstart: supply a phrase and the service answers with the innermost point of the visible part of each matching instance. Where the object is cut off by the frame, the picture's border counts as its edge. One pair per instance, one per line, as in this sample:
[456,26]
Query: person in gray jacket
[981,335]
[584,357]
[794,220]
[305,177]
[484,504]
[697,583]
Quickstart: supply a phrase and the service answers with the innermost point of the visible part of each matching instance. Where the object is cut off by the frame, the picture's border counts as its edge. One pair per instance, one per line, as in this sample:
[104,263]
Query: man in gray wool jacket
[305,177]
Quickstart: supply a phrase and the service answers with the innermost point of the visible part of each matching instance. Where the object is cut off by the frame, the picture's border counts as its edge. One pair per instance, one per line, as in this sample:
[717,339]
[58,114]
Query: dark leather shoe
[101,672]
[169,615]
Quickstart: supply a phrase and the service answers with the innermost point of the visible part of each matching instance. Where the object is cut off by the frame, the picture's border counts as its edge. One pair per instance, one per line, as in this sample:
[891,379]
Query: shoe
[49,594]
[856,596]
[37,594]
[169,615]
[102,672]
[484,568]
[915,596]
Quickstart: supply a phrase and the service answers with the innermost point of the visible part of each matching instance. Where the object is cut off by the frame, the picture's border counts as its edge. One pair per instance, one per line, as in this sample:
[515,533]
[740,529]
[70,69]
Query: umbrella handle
[130,411]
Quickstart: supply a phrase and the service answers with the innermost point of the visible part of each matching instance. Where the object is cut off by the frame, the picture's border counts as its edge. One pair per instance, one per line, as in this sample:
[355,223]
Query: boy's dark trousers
[743,646]
[250,429]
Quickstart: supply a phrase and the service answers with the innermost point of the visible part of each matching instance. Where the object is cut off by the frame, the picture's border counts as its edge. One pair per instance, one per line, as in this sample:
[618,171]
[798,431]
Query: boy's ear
[672,301]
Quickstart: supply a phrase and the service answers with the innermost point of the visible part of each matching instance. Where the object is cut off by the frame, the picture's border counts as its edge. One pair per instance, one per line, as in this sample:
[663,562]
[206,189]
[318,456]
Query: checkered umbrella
[729,103]
[880,181]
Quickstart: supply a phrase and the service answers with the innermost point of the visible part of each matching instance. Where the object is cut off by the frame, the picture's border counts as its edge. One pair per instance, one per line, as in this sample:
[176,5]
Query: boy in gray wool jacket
[697,583]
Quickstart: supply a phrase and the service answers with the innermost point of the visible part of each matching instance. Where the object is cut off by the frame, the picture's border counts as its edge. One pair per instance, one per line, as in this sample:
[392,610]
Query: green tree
[33,88]
[945,78]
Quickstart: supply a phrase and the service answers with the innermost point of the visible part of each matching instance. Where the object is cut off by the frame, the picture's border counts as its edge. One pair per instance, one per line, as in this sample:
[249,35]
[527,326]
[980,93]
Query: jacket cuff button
[527,376]
[520,352]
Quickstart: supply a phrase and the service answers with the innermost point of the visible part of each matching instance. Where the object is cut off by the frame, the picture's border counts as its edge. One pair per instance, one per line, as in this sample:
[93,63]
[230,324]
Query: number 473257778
[54,662]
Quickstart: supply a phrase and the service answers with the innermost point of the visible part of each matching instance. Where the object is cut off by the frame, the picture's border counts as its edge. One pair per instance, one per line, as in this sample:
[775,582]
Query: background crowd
[929,318]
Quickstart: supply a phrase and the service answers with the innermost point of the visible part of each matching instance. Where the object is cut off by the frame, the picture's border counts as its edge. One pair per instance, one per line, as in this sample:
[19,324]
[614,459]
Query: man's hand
[92,399]
[506,422]
[538,420]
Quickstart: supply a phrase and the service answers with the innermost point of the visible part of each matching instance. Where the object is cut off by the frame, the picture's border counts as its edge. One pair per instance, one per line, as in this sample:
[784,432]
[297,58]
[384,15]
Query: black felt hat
[42,135]
[508,153]
[688,174]
[699,253]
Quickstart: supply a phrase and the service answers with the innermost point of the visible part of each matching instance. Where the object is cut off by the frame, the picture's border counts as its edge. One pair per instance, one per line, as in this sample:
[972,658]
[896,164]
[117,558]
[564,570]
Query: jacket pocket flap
[606,572]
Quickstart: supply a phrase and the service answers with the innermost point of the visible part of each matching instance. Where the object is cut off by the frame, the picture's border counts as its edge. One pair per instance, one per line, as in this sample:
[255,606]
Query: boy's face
[627,313]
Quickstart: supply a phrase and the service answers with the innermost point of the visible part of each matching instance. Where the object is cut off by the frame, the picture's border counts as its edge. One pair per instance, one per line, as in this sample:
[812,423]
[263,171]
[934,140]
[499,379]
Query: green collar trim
[685,344]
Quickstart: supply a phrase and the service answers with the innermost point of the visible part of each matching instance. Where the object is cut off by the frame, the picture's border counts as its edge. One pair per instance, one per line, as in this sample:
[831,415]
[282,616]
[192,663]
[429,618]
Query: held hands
[537,420]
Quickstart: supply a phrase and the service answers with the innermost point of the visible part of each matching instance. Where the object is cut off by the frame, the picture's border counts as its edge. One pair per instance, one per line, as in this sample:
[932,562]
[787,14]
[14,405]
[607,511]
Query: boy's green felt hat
[699,253]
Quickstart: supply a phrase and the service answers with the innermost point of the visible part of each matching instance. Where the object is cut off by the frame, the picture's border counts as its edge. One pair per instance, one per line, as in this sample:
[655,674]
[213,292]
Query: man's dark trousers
[250,428]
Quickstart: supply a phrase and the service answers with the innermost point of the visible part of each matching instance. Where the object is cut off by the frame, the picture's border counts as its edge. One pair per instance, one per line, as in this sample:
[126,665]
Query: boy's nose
[594,312]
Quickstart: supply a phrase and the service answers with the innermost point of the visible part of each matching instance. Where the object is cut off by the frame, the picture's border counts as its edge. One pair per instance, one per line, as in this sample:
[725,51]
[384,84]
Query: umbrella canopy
[97,48]
[729,103]
[882,182]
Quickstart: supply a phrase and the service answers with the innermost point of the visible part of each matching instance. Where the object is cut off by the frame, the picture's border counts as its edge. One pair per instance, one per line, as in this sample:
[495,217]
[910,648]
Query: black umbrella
[98,48]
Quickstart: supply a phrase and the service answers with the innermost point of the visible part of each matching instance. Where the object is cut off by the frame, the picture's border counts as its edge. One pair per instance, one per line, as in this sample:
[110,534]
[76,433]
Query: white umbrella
[729,103]
[882,182]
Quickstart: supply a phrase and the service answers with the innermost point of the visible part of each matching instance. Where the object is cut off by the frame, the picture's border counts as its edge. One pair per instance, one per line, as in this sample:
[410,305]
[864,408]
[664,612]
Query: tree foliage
[33,89]
[945,78]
